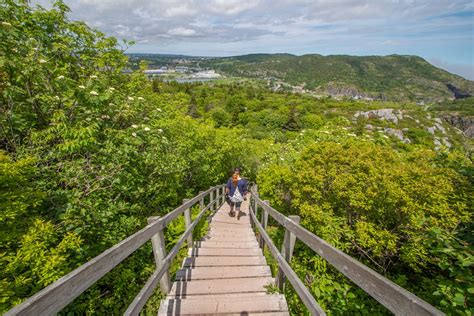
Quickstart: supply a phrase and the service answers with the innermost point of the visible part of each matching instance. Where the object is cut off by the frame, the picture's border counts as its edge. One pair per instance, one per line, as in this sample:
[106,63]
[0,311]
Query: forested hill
[393,77]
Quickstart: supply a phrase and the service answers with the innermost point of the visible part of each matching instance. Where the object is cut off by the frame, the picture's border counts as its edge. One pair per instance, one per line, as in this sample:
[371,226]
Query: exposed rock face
[386,114]
[458,94]
[465,124]
[334,89]
[398,134]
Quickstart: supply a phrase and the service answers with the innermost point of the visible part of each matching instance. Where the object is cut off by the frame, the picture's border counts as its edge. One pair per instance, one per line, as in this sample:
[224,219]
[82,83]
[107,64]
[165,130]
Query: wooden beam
[287,251]
[159,253]
[264,221]
[187,221]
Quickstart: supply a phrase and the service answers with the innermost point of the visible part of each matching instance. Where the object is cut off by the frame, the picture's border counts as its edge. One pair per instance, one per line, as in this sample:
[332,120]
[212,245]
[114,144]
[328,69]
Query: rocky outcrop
[335,89]
[384,114]
[398,134]
[465,124]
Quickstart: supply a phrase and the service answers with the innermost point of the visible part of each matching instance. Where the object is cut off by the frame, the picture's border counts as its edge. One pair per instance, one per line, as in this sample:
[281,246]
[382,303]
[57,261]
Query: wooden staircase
[225,273]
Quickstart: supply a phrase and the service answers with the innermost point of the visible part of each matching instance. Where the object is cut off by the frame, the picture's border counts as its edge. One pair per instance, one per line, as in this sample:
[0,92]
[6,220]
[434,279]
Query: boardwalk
[225,273]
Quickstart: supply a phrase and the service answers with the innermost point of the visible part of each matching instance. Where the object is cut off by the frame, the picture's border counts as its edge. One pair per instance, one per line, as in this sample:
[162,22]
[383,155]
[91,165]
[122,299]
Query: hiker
[235,190]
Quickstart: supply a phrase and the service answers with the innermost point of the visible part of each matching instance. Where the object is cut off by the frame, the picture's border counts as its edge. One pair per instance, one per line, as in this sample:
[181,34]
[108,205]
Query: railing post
[287,251]
[187,221]
[223,195]
[264,221]
[255,206]
[201,201]
[211,199]
[159,252]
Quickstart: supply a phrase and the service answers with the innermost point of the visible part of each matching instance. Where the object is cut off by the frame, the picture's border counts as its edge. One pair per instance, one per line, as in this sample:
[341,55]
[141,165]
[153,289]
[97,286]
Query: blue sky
[440,31]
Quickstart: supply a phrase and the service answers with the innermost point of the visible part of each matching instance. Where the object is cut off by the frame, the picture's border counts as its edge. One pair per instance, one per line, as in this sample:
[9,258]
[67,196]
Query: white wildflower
[384,136]
[131,98]
[146,129]
[88,112]
[105,117]
[94,92]
[42,61]
[6,23]
[135,126]
[146,118]
[134,134]
[326,132]
[111,89]
[351,134]
[93,77]
[88,119]
[163,137]
[282,159]
[81,87]
[160,130]
[56,97]
[140,98]
[61,77]
[158,109]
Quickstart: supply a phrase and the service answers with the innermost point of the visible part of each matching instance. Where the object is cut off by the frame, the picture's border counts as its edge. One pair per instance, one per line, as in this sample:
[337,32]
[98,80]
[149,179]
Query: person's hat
[237,169]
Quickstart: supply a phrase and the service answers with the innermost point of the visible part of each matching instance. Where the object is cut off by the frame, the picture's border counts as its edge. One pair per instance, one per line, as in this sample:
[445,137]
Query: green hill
[393,77]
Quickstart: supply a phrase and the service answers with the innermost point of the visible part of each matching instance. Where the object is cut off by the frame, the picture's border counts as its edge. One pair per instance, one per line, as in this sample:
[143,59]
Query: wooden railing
[58,295]
[396,299]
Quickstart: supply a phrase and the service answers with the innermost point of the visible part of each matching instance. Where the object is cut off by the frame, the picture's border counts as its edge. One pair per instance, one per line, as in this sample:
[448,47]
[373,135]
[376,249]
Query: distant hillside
[393,77]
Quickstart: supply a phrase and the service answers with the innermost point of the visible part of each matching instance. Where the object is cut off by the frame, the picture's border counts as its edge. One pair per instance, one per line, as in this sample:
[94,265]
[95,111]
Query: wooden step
[185,289]
[226,244]
[208,273]
[225,305]
[238,229]
[228,238]
[224,261]
[229,223]
[236,252]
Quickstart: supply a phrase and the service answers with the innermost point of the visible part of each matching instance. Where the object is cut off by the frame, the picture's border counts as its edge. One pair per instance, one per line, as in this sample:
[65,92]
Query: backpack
[237,197]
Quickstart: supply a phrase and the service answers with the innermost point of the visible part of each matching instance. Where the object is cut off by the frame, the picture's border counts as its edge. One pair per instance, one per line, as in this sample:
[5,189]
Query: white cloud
[181,31]
[223,27]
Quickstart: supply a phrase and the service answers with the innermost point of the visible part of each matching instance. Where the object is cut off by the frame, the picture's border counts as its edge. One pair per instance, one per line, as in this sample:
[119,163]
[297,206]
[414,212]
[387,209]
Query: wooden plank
[159,253]
[220,286]
[194,252]
[304,294]
[230,244]
[395,298]
[187,222]
[287,251]
[229,238]
[207,273]
[224,261]
[224,305]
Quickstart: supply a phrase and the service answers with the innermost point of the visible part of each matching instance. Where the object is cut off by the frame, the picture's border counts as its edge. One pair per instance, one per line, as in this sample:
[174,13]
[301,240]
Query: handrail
[395,298]
[299,287]
[59,294]
[136,306]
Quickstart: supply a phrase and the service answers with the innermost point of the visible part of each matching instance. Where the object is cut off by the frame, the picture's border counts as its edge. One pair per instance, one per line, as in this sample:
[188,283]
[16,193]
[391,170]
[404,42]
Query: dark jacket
[242,184]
